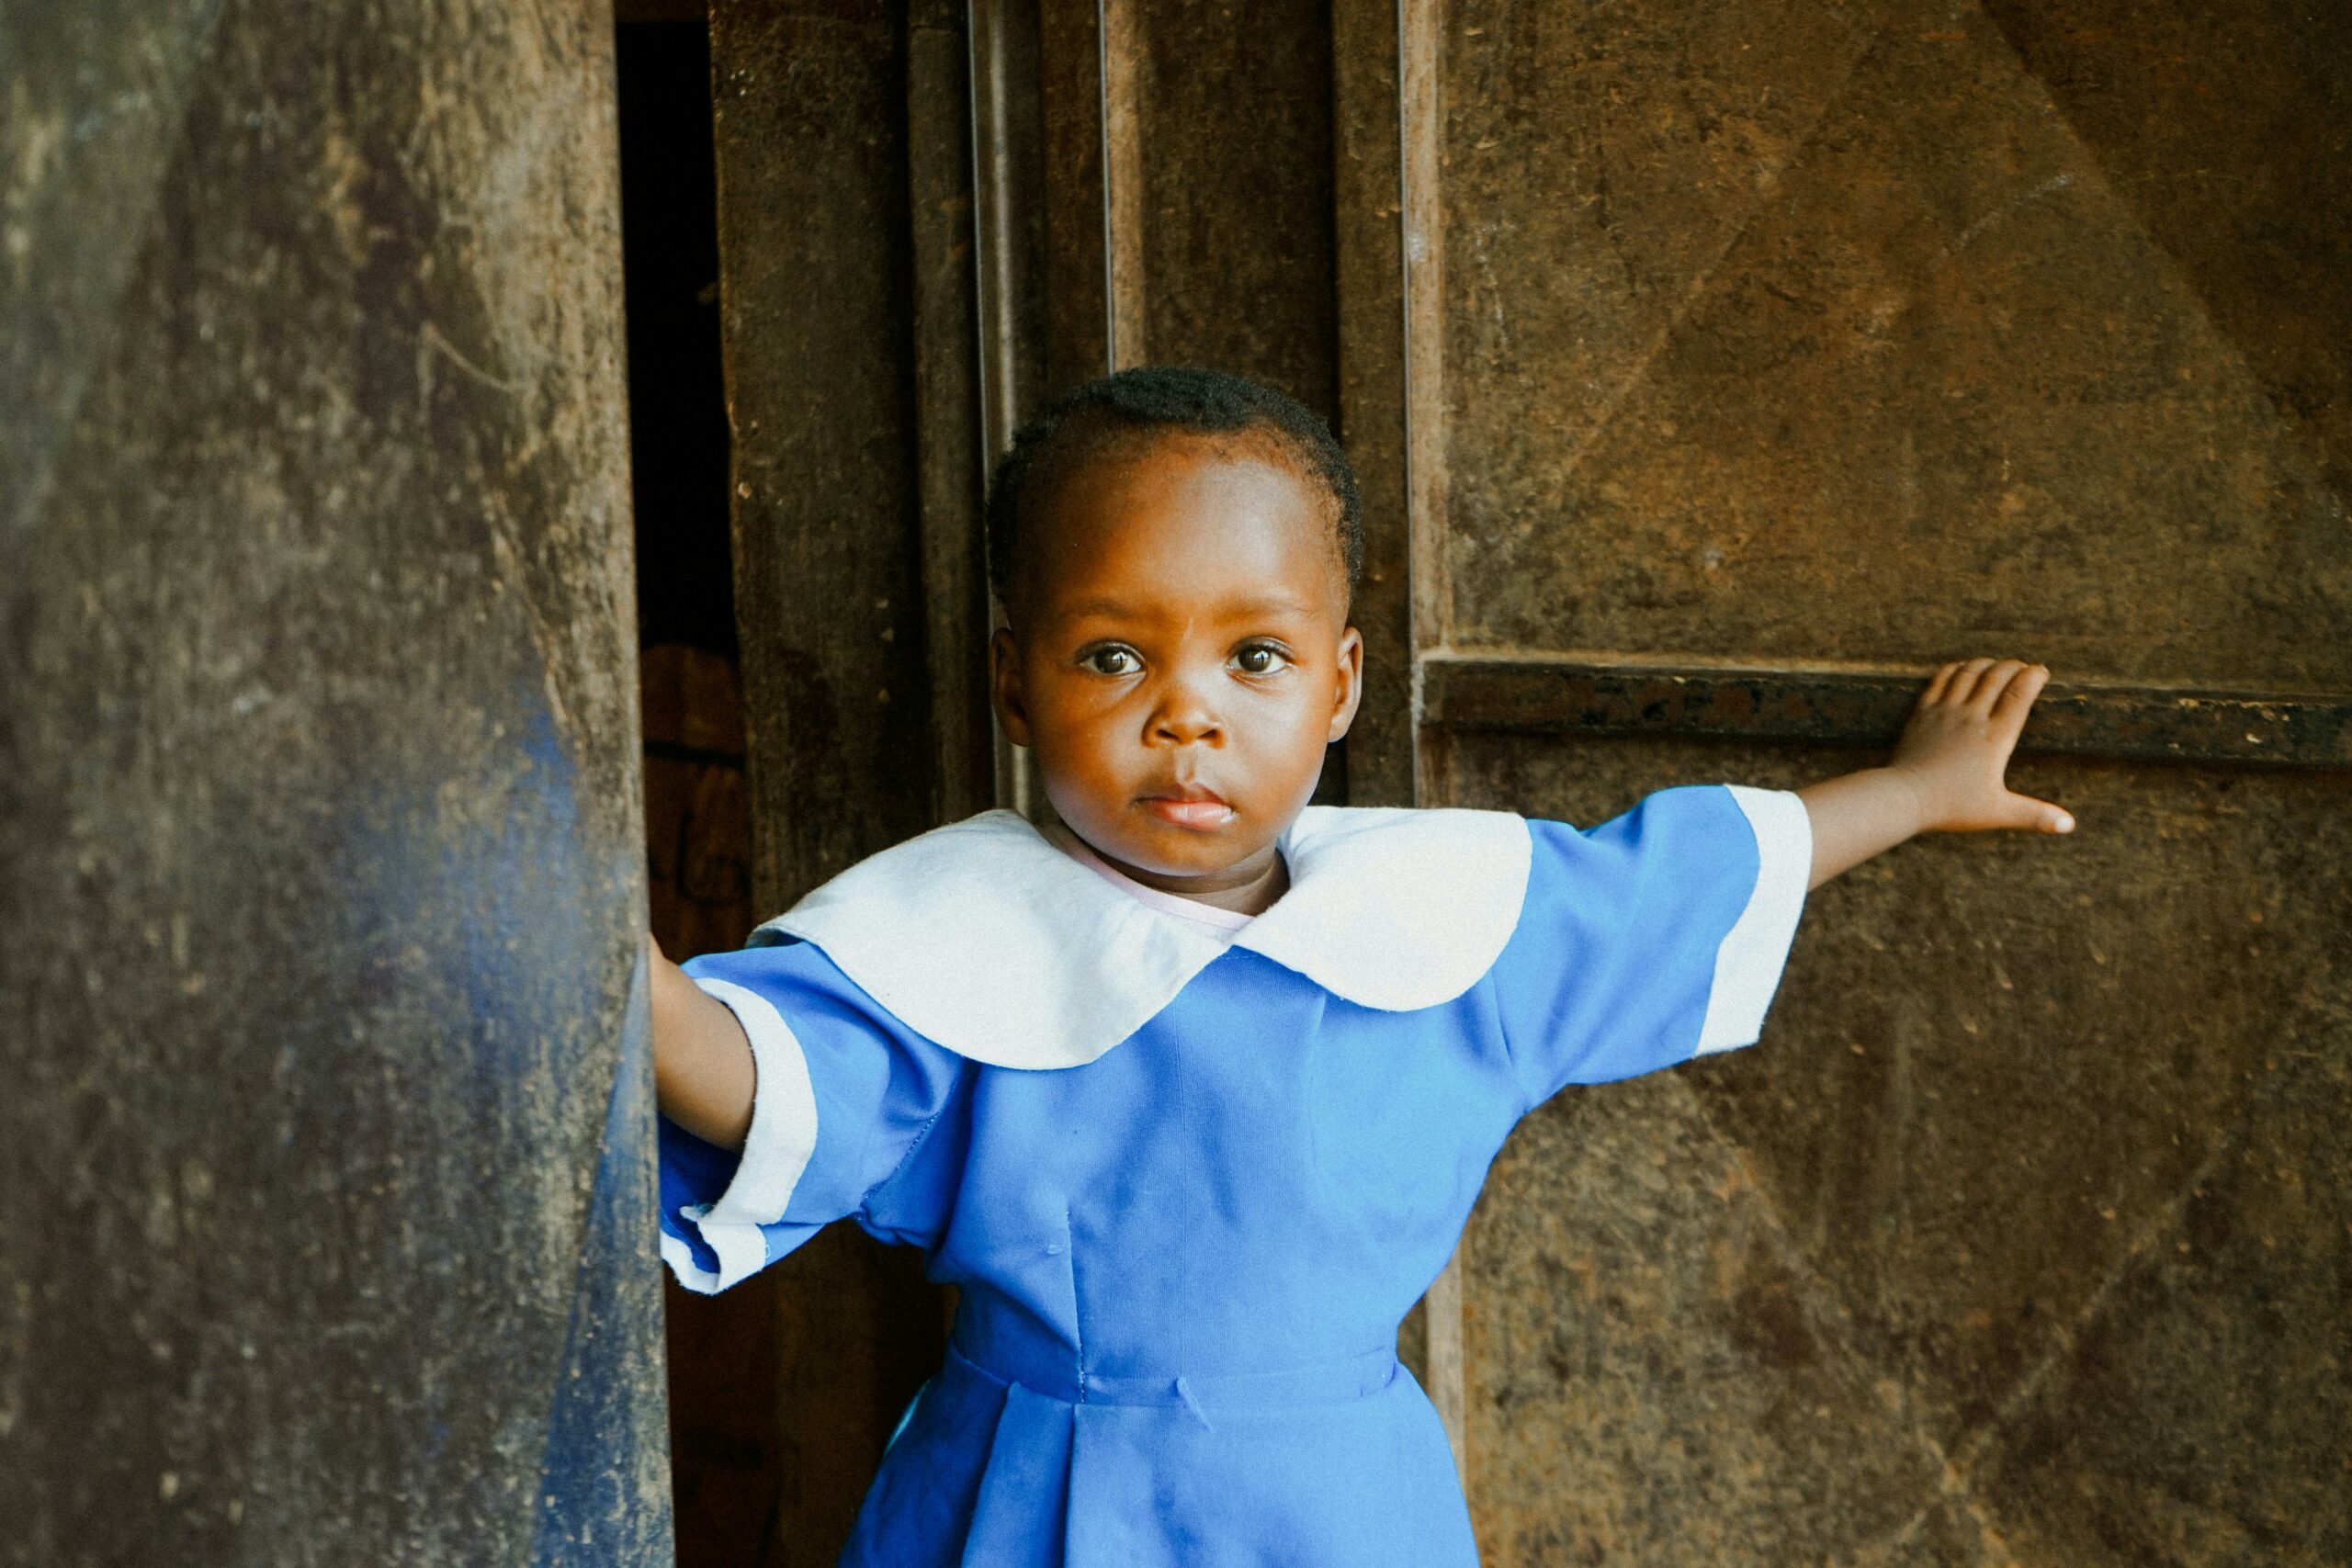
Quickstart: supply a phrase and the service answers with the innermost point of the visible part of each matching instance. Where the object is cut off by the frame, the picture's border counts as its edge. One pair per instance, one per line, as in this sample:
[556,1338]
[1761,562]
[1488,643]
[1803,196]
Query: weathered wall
[2022,1236]
[325,1192]
[1865,336]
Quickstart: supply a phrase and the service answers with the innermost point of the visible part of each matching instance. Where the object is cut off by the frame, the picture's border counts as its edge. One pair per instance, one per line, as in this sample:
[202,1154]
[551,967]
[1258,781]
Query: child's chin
[1169,850]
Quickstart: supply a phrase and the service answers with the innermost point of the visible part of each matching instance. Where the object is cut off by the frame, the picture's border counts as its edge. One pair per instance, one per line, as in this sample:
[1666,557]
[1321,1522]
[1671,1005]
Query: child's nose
[1183,718]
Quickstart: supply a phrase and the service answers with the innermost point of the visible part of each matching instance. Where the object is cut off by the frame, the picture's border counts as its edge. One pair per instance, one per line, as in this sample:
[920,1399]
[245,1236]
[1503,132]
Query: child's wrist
[1924,800]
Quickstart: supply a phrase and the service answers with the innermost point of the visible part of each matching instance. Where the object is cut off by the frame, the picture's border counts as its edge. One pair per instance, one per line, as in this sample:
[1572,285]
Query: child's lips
[1196,808]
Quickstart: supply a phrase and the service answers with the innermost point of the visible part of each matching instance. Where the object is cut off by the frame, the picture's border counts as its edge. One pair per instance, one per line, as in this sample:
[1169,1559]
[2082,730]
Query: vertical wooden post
[1080,303]
[950,451]
[1118,32]
[1368,193]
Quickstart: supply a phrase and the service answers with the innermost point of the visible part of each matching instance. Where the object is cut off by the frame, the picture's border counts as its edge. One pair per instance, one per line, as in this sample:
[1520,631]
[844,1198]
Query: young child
[1191,1091]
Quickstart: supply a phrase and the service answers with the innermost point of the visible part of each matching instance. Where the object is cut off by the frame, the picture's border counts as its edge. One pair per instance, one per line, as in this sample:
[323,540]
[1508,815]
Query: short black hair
[1117,409]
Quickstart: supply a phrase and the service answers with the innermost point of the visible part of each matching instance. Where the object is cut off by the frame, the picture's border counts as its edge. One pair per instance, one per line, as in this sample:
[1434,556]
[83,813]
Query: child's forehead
[1186,525]
[1166,495]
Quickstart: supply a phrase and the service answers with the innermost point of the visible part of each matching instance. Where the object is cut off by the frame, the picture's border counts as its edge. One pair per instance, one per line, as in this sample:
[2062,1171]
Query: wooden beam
[949,455]
[1546,695]
[1367,192]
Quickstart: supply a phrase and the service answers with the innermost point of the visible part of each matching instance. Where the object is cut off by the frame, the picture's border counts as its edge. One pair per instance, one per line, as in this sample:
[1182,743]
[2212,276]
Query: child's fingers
[1939,683]
[1963,684]
[2017,693]
[2000,680]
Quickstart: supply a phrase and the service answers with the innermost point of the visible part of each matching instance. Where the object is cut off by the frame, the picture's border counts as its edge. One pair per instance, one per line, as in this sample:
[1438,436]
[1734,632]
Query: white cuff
[776,1151]
[1749,962]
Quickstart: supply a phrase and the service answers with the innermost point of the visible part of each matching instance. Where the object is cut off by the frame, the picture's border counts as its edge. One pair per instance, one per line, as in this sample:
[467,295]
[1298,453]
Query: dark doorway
[724,1443]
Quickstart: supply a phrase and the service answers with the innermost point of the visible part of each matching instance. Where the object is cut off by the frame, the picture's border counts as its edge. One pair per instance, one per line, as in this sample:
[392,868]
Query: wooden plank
[1867,708]
[1419,129]
[1119,34]
[1079,301]
[949,456]
[1384,140]
[1011,275]
[1009,218]
[1367,189]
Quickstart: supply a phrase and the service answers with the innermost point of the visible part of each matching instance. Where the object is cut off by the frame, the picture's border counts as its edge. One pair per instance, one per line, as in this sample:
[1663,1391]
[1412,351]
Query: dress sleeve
[1653,938]
[844,1096]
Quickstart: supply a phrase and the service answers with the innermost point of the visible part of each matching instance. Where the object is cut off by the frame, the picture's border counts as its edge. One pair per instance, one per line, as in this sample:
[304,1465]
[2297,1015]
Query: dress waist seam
[1324,1383]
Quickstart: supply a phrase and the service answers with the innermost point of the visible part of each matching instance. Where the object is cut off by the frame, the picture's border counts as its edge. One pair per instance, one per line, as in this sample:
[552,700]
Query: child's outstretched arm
[703,1074]
[1945,775]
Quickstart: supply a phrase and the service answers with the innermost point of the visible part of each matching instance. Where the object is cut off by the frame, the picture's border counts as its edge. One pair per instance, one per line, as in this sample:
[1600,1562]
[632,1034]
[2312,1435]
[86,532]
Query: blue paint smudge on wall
[604,1496]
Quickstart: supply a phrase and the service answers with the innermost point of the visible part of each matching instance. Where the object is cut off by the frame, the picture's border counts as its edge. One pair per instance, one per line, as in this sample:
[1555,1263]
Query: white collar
[986,938]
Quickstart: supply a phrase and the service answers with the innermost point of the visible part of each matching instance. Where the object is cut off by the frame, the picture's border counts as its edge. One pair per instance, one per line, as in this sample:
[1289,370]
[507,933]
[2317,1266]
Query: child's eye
[1111,661]
[1261,659]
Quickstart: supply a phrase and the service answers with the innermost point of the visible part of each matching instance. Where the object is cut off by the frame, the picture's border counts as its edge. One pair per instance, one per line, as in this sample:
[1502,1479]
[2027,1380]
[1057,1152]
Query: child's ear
[1004,686]
[1348,691]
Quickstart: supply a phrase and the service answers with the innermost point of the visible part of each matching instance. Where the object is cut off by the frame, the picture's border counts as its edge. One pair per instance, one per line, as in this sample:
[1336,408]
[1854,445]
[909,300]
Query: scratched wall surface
[2015,1238]
[1235,249]
[1863,332]
[325,1182]
[1892,333]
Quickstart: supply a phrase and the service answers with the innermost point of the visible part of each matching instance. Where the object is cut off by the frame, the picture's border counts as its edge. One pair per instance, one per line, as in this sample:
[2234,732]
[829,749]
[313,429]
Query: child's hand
[1945,775]
[1957,746]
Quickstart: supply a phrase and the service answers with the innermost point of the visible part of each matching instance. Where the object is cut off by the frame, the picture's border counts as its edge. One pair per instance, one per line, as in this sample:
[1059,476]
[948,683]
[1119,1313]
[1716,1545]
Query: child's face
[1181,657]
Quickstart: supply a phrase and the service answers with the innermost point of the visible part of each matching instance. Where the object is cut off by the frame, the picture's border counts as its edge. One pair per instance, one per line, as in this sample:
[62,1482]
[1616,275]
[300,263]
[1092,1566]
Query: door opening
[724,1437]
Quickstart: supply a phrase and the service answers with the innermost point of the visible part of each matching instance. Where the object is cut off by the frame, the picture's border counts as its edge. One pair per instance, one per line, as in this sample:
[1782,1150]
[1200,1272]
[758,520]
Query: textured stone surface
[325,1179]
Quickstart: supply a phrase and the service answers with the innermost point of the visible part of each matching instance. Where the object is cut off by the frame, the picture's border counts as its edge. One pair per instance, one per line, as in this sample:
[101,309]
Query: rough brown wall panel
[1941,390]
[1597,163]
[1651,1376]
[2226,125]
[1238,262]
[2038,1153]
[815,303]
[326,1131]
[1793,358]
[2198,1417]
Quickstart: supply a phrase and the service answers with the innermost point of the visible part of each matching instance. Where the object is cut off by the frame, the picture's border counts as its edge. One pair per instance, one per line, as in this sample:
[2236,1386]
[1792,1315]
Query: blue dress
[1188,1180]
